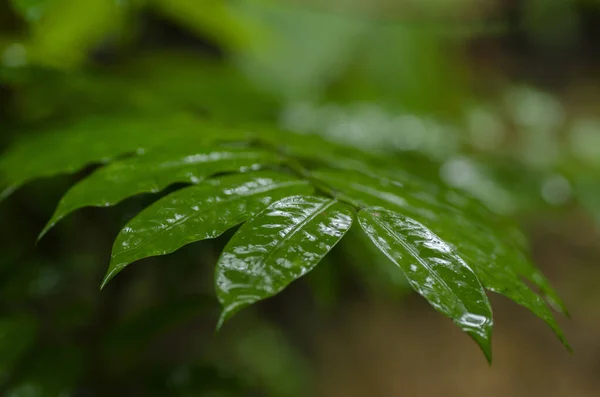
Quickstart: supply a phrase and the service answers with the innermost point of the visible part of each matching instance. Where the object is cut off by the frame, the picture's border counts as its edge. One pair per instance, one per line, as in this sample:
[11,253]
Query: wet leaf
[146,155]
[64,150]
[199,212]
[279,245]
[434,270]
[493,253]
[153,172]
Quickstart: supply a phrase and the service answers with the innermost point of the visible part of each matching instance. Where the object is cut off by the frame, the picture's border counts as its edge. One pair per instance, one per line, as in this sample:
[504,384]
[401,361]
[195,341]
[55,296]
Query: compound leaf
[153,172]
[279,245]
[199,212]
[434,270]
[491,252]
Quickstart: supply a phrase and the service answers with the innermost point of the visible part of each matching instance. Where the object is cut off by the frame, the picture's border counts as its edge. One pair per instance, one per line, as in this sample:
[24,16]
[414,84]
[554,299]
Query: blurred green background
[496,97]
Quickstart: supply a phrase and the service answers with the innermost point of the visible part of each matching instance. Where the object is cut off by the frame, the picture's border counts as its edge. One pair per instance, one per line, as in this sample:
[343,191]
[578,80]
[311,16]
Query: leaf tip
[7,191]
[563,340]
[485,344]
[226,314]
[44,231]
[112,272]
[568,346]
[557,305]
[220,323]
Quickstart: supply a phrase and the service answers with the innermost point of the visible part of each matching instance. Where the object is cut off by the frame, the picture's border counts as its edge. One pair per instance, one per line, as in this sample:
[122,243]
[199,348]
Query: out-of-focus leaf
[418,84]
[153,172]
[279,245]
[17,334]
[219,91]
[199,212]
[297,62]
[68,29]
[144,85]
[492,253]
[52,372]
[434,270]
[31,10]
[217,20]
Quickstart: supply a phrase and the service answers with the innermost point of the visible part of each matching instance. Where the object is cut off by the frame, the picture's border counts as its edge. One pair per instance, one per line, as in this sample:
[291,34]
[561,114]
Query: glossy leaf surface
[199,212]
[279,245]
[153,172]
[434,270]
[492,253]
[64,150]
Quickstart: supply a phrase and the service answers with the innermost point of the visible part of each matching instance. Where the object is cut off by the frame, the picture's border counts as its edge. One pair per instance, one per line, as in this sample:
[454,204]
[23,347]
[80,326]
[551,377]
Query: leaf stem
[296,166]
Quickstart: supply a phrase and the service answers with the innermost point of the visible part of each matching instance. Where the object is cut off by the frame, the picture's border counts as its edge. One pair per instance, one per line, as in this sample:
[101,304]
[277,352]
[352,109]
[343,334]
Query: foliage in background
[133,85]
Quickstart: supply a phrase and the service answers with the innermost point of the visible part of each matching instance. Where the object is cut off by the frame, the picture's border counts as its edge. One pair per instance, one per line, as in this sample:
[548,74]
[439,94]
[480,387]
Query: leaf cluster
[295,197]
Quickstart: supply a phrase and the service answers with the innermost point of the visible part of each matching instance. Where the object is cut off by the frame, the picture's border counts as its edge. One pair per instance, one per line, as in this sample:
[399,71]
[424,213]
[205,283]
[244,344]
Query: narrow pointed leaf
[434,270]
[494,254]
[279,245]
[153,172]
[68,149]
[199,212]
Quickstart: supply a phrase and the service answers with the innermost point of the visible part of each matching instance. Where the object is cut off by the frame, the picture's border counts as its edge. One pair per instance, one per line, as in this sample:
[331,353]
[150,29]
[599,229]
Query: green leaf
[31,10]
[434,270]
[68,149]
[68,29]
[493,253]
[153,172]
[199,212]
[216,19]
[64,150]
[279,245]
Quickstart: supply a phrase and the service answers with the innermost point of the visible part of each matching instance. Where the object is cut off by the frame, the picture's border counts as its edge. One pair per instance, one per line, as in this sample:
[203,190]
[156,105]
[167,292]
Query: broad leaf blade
[153,172]
[434,270]
[199,212]
[279,245]
[494,253]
